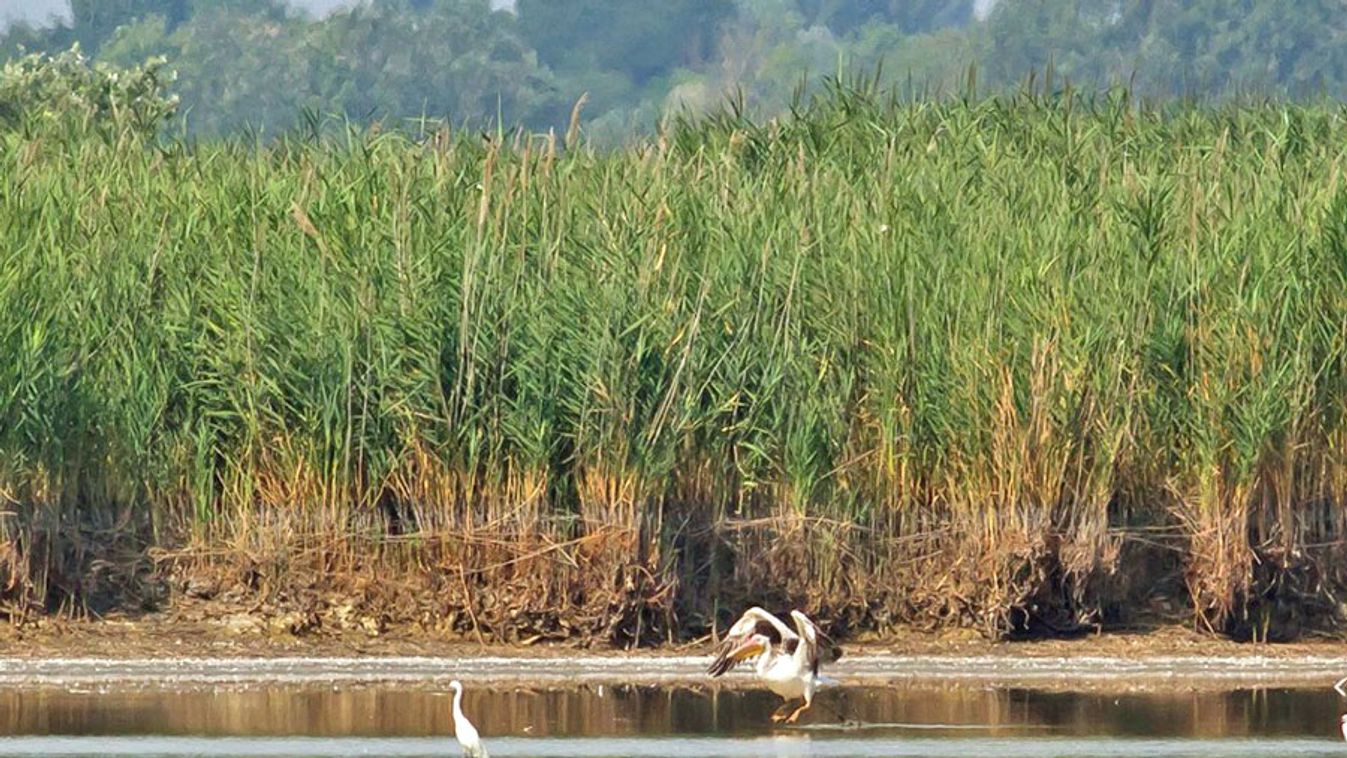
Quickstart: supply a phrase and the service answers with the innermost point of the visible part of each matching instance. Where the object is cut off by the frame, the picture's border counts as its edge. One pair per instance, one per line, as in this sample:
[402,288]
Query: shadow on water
[674,721]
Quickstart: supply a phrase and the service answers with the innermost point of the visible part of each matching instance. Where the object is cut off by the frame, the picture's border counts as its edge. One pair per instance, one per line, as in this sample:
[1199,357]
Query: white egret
[464,731]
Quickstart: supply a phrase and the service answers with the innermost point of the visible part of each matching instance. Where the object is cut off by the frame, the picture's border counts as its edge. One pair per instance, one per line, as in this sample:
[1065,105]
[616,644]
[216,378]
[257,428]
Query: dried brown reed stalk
[573,128]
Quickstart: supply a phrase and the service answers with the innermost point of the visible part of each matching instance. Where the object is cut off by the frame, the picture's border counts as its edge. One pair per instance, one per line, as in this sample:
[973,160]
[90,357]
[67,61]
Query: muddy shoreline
[155,652]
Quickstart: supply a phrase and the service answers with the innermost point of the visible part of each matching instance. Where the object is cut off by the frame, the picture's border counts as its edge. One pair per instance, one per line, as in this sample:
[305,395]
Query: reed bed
[1019,363]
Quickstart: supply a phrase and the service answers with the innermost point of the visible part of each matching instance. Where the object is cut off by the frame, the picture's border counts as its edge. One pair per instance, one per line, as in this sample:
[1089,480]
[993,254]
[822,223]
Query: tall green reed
[998,363]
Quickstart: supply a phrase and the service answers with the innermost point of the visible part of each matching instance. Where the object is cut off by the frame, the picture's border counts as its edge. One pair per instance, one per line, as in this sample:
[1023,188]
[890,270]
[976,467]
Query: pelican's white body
[790,676]
[784,675]
[464,731]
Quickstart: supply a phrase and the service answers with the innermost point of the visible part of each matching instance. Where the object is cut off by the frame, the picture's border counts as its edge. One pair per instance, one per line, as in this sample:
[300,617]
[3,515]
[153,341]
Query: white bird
[791,669]
[464,731]
[1344,726]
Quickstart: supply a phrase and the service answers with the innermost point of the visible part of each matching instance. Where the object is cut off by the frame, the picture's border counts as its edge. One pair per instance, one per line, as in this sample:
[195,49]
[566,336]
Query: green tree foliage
[257,62]
[455,59]
[94,21]
[773,48]
[641,40]
[1183,47]
[909,16]
[260,66]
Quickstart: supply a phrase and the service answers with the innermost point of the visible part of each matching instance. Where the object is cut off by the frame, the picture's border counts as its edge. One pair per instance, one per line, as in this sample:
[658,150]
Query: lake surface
[660,720]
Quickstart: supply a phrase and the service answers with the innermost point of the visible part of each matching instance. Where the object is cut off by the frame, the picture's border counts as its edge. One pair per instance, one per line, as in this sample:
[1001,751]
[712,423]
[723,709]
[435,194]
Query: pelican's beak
[747,650]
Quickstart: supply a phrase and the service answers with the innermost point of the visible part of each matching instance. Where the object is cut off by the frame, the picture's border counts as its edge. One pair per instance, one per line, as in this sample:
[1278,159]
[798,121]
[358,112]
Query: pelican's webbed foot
[796,714]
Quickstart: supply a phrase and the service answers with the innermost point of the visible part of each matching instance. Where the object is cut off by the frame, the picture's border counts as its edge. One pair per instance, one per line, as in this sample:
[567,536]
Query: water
[927,719]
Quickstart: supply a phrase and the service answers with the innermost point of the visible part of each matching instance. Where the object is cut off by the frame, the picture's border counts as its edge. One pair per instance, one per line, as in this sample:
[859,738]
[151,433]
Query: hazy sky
[31,10]
[43,10]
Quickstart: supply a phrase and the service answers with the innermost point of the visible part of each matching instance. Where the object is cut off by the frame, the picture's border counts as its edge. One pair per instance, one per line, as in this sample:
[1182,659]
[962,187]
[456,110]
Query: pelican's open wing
[754,621]
[819,647]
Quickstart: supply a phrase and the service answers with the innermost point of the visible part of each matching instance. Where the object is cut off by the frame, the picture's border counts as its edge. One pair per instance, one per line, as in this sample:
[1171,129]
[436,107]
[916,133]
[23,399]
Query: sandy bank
[154,652]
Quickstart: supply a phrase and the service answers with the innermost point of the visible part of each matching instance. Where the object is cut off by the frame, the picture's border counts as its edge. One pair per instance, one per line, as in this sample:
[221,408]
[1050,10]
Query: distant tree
[140,40]
[1031,35]
[1227,45]
[22,38]
[257,62]
[253,64]
[640,40]
[454,58]
[1212,47]
[910,16]
[240,68]
[94,21]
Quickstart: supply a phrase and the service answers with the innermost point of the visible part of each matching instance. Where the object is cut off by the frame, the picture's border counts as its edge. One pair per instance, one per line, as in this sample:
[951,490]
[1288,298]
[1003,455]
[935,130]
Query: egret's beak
[749,649]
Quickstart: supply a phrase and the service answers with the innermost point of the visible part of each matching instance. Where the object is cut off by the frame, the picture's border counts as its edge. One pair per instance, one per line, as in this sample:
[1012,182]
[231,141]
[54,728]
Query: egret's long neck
[458,704]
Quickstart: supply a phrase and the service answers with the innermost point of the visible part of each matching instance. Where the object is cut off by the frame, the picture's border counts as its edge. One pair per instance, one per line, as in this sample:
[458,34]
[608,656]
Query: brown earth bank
[190,604]
[506,592]
[198,632]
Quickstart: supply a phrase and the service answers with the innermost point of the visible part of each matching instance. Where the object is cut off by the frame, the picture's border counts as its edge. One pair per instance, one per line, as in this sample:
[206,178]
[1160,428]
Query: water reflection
[854,712]
[663,747]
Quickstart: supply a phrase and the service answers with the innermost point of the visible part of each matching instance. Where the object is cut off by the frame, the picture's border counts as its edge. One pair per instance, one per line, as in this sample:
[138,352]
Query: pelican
[464,731]
[791,669]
